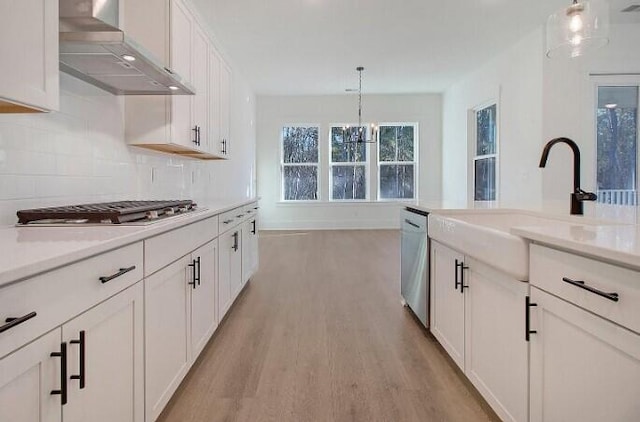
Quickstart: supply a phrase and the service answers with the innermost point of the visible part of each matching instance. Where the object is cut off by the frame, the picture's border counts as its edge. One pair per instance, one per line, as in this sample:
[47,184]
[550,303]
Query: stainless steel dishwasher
[414,268]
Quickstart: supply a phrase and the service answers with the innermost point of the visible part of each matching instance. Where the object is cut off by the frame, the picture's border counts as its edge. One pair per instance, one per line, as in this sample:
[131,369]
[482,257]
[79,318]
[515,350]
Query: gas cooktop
[122,212]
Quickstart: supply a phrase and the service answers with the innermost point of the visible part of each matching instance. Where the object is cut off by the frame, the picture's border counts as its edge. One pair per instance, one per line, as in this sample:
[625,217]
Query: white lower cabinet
[93,365]
[230,271]
[105,361]
[27,377]
[478,315]
[447,304]
[583,367]
[180,317]
[204,307]
[249,249]
[496,350]
[166,334]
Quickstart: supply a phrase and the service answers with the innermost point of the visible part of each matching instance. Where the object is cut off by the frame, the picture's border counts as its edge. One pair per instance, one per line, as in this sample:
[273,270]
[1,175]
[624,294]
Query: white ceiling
[406,46]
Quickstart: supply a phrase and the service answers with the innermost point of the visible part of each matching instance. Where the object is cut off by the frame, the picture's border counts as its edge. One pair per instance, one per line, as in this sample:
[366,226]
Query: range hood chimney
[94,49]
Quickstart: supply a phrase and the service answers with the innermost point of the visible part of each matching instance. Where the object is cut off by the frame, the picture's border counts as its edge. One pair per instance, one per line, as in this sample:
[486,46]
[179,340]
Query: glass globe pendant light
[575,30]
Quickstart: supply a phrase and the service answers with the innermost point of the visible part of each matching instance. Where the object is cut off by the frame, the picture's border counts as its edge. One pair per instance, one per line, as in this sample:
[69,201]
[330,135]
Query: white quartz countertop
[27,251]
[618,244]
[606,235]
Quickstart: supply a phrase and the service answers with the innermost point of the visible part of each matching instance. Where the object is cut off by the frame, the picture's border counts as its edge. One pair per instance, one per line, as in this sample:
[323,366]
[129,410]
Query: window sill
[389,203]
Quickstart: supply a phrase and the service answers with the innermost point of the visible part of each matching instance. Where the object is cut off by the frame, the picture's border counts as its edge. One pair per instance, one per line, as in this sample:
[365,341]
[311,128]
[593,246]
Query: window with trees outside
[348,165]
[299,164]
[485,160]
[396,161]
[617,144]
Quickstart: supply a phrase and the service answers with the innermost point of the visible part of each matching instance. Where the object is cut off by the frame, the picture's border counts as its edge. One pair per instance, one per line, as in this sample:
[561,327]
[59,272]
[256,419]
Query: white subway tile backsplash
[79,155]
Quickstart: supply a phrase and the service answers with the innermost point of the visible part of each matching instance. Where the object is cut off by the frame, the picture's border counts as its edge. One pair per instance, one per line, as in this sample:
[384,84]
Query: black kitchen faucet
[578,195]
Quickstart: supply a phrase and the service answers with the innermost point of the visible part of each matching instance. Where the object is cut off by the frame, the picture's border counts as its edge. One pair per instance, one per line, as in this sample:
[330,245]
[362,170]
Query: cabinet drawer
[251,209]
[550,266]
[231,218]
[59,295]
[162,250]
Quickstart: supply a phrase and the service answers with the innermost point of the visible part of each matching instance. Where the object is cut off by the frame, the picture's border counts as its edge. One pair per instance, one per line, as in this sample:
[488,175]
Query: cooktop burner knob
[170,211]
[152,215]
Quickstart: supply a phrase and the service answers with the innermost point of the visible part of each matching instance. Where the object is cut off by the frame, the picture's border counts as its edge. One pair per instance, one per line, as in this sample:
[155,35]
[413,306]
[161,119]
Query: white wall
[79,155]
[514,79]
[540,99]
[569,109]
[274,112]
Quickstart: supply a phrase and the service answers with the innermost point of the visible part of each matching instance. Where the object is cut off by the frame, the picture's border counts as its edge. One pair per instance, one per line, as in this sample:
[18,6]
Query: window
[299,164]
[396,161]
[348,165]
[485,160]
[617,144]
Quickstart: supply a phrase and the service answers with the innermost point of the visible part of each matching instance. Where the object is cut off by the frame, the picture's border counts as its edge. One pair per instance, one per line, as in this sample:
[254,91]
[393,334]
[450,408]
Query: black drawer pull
[240,215]
[227,221]
[12,322]
[118,274]
[581,284]
[81,357]
[62,354]
[411,223]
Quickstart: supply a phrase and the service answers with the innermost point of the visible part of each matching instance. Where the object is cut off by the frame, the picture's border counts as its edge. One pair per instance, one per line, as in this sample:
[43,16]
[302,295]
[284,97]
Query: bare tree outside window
[348,165]
[300,163]
[396,159]
[485,161]
[617,145]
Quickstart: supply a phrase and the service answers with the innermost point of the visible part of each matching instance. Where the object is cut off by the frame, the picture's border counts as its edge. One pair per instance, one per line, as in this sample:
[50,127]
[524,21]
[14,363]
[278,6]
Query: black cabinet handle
[196,135]
[118,274]
[199,269]
[253,229]
[62,354]
[581,284]
[235,242]
[411,223]
[12,322]
[239,215]
[527,318]
[81,358]
[194,277]
[462,268]
[227,221]
[456,283]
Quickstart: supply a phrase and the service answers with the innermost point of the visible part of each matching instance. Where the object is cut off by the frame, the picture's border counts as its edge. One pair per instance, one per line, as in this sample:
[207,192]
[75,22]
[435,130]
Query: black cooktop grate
[115,212]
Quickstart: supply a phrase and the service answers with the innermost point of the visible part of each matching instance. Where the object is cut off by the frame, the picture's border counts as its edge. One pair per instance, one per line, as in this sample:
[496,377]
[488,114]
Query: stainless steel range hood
[94,49]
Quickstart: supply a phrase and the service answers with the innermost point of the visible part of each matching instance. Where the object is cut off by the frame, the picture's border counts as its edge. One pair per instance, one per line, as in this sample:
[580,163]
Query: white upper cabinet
[225,108]
[200,101]
[29,48]
[176,124]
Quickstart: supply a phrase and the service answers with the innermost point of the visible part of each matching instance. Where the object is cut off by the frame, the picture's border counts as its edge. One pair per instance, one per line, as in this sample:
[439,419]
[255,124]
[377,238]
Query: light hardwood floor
[319,334]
